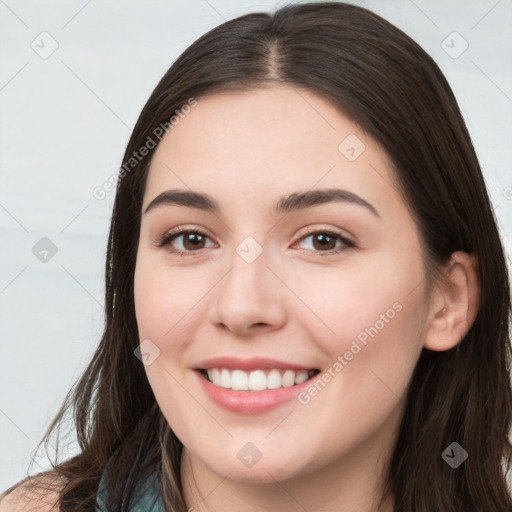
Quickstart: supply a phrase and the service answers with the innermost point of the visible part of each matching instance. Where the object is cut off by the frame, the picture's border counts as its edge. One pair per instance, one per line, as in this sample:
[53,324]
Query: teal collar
[147,496]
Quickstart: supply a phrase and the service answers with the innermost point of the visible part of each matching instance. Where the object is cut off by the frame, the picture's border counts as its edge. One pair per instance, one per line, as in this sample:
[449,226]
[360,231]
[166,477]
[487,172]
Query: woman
[307,300]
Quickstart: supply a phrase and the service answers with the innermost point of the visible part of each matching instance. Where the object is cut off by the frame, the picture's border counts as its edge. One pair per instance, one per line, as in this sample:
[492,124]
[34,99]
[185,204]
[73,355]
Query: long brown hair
[389,86]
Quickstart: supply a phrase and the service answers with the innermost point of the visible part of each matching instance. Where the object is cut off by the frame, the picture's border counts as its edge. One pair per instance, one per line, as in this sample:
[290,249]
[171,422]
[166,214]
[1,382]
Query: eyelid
[322,229]
[172,234]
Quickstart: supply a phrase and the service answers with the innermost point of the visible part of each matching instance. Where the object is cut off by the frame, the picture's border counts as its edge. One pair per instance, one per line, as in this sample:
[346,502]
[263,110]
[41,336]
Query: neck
[354,484]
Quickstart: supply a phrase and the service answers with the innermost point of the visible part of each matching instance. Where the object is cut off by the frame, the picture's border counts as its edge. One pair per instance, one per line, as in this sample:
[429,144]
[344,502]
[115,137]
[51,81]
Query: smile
[257,380]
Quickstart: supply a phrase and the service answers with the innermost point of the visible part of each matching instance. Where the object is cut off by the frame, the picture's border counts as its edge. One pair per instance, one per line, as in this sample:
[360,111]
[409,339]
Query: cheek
[165,314]
[164,300]
[369,317]
[373,351]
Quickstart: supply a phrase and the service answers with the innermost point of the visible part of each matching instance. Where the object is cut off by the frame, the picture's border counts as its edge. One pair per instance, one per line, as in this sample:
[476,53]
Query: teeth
[239,380]
[274,379]
[288,379]
[301,377]
[257,380]
[225,379]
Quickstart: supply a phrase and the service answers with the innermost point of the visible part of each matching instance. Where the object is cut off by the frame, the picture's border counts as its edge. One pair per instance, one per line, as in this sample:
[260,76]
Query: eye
[191,240]
[325,242]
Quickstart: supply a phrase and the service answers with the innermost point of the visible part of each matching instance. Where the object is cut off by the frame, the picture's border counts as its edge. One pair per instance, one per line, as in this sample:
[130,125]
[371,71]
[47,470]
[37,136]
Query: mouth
[256,380]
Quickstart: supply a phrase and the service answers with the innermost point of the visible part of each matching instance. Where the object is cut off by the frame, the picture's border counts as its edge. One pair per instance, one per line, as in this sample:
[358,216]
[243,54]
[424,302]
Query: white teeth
[225,379]
[288,379]
[274,379]
[301,377]
[239,380]
[257,380]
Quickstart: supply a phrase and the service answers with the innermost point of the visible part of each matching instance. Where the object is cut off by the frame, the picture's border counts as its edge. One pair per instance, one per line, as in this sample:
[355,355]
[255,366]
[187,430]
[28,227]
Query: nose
[250,298]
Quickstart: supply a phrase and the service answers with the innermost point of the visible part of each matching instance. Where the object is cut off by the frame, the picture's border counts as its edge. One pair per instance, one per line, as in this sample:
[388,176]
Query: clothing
[147,497]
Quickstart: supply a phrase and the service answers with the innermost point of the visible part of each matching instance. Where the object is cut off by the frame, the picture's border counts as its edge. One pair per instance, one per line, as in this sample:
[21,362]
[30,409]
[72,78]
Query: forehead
[260,143]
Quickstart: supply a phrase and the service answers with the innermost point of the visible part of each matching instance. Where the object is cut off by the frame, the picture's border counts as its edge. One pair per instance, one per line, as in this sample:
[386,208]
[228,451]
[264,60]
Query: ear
[455,303]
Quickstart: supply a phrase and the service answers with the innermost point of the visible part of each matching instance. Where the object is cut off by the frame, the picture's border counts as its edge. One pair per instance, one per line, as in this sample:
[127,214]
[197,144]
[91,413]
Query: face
[262,292]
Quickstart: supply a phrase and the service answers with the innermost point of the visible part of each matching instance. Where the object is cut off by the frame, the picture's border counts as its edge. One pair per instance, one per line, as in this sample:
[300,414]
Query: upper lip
[255,363]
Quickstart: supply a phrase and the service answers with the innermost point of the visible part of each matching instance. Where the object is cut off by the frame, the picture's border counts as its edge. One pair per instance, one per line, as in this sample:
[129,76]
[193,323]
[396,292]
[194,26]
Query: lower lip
[250,402]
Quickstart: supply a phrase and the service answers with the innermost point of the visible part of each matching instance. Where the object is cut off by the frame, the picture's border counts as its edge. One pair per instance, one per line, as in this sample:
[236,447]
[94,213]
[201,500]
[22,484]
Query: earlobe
[455,305]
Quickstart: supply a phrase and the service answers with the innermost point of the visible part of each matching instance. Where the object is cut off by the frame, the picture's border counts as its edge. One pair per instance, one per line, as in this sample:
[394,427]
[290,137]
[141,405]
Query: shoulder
[35,494]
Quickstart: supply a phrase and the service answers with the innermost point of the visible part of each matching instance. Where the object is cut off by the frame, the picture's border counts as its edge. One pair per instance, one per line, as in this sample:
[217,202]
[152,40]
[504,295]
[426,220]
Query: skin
[247,149]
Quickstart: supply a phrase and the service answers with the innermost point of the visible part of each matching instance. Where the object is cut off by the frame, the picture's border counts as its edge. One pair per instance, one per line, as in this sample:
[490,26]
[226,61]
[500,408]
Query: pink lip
[256,363]
[249,402]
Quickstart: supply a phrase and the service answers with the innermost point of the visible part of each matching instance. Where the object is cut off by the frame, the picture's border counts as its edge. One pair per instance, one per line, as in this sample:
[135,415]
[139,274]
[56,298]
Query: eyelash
[167,238]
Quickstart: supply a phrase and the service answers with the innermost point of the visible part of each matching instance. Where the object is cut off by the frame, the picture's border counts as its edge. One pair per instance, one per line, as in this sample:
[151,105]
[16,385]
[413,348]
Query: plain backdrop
[74,76]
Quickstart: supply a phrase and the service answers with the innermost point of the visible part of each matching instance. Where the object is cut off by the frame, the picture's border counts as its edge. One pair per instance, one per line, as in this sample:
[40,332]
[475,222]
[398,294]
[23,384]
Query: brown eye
[193,241]
[325,242]
[186,242]
[183,241]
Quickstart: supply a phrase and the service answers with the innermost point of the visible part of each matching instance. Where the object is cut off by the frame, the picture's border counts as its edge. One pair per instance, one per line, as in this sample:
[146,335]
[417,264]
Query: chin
[266,470]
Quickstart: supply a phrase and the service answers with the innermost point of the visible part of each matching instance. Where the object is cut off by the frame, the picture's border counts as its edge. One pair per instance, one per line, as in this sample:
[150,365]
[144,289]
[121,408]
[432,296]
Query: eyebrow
[289,203]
